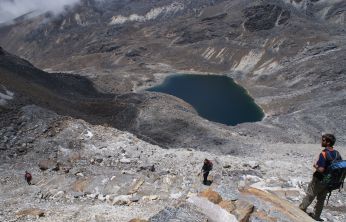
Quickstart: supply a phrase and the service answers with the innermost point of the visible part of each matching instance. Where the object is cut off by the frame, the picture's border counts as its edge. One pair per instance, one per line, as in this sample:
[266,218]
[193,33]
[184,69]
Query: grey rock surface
[119,191]
[88,111]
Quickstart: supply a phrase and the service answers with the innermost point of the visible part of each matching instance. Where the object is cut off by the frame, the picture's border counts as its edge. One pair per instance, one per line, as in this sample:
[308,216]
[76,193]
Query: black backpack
[208,166]
[335,174]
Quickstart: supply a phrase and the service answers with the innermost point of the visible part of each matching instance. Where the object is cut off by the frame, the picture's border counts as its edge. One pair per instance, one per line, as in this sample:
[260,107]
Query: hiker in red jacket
[28,177]
[207,167]
[316,187]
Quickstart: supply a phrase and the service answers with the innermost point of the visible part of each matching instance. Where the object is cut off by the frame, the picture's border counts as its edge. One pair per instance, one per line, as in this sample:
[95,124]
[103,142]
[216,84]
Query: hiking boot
[315,218]
[310,214]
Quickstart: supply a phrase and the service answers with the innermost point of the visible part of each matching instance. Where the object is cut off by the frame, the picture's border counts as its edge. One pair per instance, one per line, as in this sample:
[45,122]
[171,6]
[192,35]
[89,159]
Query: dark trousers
[315,190]
[205,176]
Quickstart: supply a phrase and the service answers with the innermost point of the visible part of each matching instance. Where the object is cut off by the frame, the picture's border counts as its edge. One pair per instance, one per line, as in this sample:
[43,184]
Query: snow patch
[89,134]
[159,66]
[151,15]
[298,5]
[220,53]
[216,53]
[5,96]
[78,19]
[320,2]
[62,24]
[268,67]
[248,62]
[208,53]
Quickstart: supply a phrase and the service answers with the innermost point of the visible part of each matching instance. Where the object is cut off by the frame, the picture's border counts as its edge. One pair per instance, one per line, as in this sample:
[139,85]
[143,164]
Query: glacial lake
[216,98]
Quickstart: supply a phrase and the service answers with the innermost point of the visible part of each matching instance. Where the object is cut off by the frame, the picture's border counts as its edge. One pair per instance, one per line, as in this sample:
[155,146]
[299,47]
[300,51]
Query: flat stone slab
[30,212]
[279,208]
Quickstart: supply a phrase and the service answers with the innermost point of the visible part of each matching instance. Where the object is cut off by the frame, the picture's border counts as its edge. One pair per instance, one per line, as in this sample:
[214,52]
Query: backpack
[335,174]
[28,177]
[210,165]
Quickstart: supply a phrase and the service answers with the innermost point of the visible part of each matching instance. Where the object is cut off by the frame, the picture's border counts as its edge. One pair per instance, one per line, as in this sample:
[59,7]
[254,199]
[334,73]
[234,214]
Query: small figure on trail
[207,167]
[318,187]
[28,177]
[152,168]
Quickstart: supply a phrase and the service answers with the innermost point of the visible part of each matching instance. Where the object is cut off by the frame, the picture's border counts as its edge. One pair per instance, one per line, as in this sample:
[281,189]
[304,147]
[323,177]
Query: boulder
[243,210]
[213,211]
[183,212]
[101,197]
[227,205]
[125,160]
[136,185]
[58,195]
[30,212]
[133,53]
[211,195]
[80,185]
[112,187]
[74,157]
[227,166]
[215,17]
[121,200]
[22,150]
[135,198]
[65,167]
[138,220]
[151,197]
[290,194]
[281,209]
[77,194]
[47,164]
[262,216]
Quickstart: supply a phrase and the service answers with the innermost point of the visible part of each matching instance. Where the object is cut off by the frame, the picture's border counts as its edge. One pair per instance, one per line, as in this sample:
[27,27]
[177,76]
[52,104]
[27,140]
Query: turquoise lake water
[216,98]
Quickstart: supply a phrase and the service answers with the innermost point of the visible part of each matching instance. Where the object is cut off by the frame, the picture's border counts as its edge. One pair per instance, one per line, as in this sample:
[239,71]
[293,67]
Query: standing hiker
[317,188]
[207,167]
[28,177]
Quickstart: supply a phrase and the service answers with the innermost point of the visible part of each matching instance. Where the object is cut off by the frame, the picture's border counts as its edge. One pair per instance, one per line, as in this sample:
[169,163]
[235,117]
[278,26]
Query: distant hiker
[152,168]
[207,167]
[28,177]
[318,187]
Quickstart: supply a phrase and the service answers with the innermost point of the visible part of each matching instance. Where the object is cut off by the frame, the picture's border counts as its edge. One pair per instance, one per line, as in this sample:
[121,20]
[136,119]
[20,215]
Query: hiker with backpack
[207,167]
[325,178]
[28,177]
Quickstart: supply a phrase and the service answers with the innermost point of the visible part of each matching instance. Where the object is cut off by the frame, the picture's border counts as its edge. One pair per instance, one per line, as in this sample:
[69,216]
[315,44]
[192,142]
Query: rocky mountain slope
[157,118]
[84,172]
[100,147]
[277,50]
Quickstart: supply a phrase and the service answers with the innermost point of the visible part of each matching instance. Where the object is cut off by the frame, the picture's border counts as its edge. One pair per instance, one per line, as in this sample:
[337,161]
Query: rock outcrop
[265,17]
[278,206]
[211,195]
[30,212]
